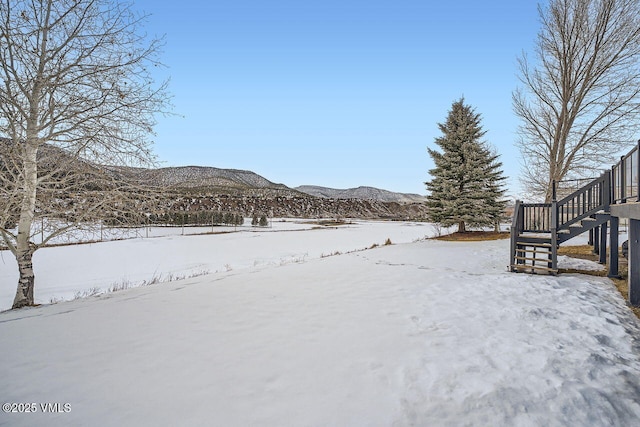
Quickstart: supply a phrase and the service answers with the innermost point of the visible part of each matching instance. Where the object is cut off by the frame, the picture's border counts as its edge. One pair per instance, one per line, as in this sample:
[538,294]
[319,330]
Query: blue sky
[338,93]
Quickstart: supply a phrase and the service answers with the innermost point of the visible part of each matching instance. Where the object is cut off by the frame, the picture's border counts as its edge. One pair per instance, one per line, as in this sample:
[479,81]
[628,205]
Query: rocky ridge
[195,190]
[201,189]
[365,193]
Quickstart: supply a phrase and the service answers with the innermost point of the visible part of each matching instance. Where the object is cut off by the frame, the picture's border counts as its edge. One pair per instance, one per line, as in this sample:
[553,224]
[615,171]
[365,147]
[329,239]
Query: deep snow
[422,333]
[65,271]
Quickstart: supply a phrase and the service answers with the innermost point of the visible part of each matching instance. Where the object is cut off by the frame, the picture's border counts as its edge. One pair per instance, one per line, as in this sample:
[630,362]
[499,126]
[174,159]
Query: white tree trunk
[24,247]
[24,293]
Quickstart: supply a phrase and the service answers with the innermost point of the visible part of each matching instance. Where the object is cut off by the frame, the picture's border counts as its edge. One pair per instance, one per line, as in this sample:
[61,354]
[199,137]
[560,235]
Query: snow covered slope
[203,176]
[416,334]
[62,272]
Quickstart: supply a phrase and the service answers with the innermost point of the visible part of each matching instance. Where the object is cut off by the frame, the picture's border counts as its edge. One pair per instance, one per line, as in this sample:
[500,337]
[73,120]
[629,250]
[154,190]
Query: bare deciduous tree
[76,96]
[579,105]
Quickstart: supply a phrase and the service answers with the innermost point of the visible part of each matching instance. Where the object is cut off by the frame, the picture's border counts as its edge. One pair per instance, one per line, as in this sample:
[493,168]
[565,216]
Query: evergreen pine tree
[263,221]
[226,219]
[254,220]
[467,185]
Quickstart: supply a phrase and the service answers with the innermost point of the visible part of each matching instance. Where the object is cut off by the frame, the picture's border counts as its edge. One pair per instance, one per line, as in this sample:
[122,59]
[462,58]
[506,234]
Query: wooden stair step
[534,267]
[522,258]
[536,244]
[535,251]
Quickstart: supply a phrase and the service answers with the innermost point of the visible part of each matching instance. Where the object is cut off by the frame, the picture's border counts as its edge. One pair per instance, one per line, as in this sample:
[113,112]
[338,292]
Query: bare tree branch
[579,105]
[76,95]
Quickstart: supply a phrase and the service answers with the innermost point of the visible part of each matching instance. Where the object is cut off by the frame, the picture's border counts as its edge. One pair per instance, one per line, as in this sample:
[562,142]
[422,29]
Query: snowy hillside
[203,176]
[367,193]
[424,333]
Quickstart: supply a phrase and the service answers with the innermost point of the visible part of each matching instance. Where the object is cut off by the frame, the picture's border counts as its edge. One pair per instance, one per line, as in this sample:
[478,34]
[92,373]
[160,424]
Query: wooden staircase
[539,228]
[534,257]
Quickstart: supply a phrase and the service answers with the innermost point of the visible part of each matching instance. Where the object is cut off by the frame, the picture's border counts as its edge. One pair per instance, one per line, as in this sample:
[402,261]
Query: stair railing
[584,202]
[626,174]
[557,215]
[534,218]
[537,217]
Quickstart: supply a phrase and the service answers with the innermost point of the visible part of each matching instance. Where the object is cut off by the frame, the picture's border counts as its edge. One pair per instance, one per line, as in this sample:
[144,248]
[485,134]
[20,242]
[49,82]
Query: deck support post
[634,261]
[613,247]
[603,244]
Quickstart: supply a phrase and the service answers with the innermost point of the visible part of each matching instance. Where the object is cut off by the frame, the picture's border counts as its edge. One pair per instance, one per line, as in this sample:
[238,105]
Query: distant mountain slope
[204,176]
[366,193]
[211,180]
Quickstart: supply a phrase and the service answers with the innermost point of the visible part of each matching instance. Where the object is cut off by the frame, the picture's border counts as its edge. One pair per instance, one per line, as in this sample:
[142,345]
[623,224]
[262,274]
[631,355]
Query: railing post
[521,218]
[606,190]
[516,226]
[554,232]
[623,178]
[613,184]
[637,172]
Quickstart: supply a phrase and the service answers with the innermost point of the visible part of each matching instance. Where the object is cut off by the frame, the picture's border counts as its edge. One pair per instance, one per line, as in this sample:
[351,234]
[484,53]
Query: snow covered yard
[66,271]
[420,333]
